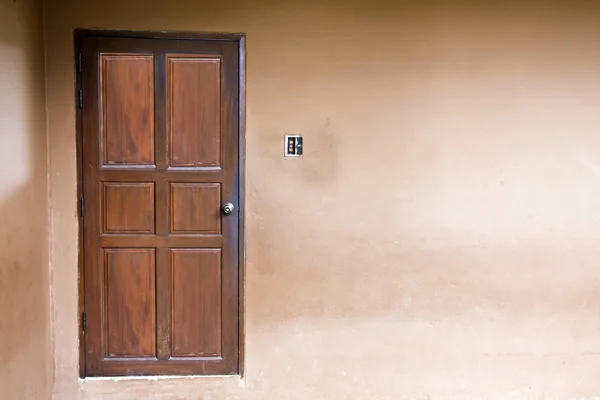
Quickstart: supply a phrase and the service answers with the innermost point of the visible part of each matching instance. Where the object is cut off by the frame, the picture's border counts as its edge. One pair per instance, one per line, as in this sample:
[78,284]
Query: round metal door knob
[227,208]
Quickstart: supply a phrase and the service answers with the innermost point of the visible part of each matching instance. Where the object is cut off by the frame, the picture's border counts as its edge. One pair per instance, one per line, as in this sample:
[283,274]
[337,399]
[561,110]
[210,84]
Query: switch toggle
[293,145]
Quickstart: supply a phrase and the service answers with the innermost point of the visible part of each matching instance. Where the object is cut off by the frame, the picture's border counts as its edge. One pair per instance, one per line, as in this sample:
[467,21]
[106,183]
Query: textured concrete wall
[25,356]
[440,238]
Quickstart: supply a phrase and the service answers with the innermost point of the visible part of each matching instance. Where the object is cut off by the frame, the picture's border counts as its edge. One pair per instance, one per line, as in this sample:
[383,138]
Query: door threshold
[228,378]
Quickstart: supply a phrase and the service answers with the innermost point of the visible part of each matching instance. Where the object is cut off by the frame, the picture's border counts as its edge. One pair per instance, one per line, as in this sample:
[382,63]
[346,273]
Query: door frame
[240,39]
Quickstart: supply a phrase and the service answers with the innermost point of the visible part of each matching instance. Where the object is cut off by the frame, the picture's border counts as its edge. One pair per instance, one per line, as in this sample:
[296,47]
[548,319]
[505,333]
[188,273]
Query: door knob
[227,208]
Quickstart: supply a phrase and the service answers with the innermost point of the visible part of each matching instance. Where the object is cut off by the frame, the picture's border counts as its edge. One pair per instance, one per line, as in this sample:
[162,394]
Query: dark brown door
[159,139]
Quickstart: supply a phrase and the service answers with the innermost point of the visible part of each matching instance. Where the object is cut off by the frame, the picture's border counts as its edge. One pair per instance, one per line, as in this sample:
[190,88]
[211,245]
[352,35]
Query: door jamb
[240,38]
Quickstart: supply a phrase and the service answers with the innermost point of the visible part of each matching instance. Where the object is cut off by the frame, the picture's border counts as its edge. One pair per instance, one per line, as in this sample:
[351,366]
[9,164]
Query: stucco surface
[25,358]
[440,237]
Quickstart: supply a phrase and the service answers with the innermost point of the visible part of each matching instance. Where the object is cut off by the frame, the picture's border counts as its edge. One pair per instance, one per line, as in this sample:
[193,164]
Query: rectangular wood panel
[196,321]
[128,207]
[130,302]
[128,109]
[196,208]
[194,91]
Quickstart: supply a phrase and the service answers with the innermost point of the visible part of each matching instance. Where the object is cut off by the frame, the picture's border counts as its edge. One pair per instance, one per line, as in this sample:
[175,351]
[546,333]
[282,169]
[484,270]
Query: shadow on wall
[24,283]
[434,173]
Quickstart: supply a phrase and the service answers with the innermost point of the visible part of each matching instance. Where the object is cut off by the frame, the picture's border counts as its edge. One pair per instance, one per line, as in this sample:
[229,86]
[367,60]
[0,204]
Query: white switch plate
[296,142]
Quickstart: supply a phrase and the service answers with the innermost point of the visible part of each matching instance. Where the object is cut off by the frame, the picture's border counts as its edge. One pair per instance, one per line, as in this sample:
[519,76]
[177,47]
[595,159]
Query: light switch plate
[293,145]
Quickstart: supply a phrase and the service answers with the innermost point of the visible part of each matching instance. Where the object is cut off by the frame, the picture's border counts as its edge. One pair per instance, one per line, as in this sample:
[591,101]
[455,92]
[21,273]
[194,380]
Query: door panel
[160,138]
[130,302]
[194,90]
[128,109]
[128,207]
[196,302]
[189,220]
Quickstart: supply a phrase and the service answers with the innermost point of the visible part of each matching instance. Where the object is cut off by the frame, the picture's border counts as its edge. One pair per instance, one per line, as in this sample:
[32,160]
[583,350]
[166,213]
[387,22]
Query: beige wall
[440,238]
[25,356]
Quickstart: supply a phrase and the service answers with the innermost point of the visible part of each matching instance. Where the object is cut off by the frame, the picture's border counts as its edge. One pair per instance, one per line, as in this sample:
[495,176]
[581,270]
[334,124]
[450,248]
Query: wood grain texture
[196,208]
[130,302]
[159,34]
[194,90]
[128,207]
[128,109]
[186,200]
[196,314]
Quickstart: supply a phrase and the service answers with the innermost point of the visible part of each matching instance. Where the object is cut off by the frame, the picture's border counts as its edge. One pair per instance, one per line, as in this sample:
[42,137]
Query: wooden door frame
[240,39]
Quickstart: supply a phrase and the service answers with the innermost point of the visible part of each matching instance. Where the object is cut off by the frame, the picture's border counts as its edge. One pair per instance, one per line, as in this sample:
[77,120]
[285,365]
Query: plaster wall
[439,239]
[25,352]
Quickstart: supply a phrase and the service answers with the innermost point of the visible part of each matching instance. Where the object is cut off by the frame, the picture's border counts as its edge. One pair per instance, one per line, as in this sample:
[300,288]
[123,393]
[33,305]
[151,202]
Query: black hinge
[83,321]
[80,98]
[79,63]
[81,207]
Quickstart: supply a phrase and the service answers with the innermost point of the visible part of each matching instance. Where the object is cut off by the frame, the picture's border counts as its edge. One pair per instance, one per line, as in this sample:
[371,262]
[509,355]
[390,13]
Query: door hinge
[80,98]
[83,321]
[81,207]
[79,63]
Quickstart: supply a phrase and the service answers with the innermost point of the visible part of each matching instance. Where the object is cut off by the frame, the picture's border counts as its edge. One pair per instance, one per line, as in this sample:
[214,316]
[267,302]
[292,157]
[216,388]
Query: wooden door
[159,130]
